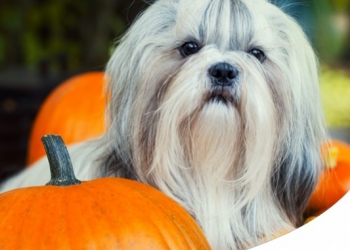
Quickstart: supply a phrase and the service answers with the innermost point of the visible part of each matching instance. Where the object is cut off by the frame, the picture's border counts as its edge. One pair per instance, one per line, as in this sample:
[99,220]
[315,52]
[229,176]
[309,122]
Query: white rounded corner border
[331,230]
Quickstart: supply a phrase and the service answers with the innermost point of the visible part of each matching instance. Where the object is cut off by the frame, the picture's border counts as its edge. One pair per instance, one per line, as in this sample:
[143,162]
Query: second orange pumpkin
[75,110]
[334,182]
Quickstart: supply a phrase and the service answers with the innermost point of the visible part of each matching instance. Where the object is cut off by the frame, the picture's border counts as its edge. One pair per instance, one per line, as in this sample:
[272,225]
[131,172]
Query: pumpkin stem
[331,157]
[61,168]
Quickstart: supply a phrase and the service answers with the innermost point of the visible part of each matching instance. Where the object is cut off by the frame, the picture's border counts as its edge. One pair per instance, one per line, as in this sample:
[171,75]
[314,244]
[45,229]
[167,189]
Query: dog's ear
[293,188]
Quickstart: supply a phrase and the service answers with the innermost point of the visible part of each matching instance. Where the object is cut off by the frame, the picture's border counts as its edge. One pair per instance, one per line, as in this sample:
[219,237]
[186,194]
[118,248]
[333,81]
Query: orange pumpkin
[334,181]
[106,213]
[74,110]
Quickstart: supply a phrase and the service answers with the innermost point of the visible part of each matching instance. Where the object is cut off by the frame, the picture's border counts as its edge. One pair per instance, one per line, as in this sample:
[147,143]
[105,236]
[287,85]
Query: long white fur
[231,165]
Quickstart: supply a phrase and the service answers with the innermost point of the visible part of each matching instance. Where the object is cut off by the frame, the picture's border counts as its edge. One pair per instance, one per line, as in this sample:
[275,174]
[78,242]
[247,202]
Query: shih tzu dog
[216,104]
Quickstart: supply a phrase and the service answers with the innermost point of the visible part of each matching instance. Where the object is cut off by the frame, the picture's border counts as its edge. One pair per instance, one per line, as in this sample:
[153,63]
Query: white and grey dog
[216,104]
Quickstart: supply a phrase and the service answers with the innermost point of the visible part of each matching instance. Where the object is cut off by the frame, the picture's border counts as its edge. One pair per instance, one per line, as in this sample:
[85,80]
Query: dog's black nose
[223,74]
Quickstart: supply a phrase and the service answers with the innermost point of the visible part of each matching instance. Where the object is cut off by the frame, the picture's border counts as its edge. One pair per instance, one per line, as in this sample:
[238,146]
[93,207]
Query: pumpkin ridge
[154,203]
[95,201]
[96,210]
[146,216]
[91,236]
[180,217]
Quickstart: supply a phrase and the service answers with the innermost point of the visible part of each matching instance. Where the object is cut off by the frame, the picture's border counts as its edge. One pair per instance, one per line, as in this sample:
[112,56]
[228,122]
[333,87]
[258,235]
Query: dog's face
[216,103]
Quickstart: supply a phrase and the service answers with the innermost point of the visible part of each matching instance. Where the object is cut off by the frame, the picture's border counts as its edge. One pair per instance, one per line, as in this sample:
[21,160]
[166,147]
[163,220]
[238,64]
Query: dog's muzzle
[223,77]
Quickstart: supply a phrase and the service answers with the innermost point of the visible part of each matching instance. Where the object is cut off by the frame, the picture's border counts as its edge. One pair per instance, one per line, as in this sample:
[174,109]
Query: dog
[216,104]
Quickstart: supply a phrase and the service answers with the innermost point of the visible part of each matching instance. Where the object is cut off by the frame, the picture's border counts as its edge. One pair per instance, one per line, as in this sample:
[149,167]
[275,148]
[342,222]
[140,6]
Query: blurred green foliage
[341,5]
[330,38]
[64,33]
[79,34]
[335,92]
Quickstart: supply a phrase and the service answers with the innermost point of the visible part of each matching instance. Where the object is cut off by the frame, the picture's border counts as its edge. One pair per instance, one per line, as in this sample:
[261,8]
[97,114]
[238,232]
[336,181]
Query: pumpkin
[74,110]
[334,181]
[106,213]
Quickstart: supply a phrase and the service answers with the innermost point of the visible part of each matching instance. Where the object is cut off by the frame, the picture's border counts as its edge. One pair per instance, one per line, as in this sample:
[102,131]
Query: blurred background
[44,42]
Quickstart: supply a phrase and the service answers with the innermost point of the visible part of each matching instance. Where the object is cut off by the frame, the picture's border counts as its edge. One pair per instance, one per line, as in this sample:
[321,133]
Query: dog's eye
[258,54]
[189,48]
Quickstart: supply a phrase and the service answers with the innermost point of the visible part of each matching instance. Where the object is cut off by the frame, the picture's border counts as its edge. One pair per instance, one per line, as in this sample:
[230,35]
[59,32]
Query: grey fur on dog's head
[242,158]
